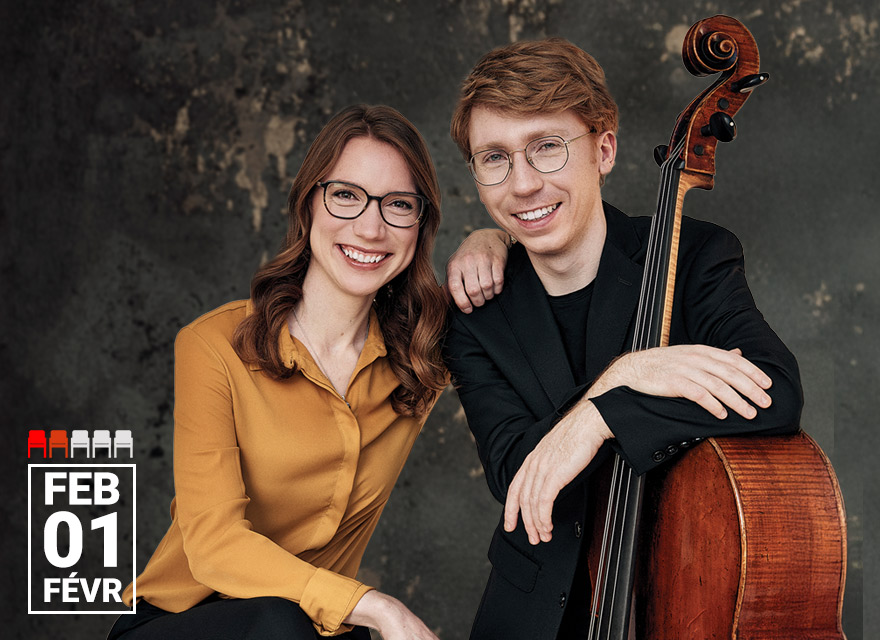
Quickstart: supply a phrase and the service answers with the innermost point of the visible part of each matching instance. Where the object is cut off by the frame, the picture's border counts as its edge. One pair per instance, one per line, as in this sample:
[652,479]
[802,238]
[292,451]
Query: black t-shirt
[571,312]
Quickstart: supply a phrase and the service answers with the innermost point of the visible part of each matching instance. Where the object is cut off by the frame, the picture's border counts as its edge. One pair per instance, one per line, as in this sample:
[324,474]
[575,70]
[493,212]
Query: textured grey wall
[147,148]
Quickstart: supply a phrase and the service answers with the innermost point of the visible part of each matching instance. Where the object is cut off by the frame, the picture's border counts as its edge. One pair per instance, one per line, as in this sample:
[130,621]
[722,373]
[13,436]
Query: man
[537,367]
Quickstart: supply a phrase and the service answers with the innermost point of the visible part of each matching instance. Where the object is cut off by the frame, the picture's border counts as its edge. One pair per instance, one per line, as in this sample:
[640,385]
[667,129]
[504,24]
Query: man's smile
[537,214]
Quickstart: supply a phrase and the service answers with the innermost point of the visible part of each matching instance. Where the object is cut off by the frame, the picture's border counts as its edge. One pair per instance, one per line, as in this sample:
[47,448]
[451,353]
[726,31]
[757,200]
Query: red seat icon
[37,440]
[58,439]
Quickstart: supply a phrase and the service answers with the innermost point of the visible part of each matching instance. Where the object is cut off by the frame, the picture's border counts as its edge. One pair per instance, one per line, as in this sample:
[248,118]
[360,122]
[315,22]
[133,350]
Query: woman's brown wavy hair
[411,309]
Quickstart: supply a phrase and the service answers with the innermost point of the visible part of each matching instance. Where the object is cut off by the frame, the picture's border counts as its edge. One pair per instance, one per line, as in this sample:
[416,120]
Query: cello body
[743,538]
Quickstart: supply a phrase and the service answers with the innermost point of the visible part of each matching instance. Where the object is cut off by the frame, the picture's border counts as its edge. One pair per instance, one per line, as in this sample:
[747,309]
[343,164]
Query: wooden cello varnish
[743,538]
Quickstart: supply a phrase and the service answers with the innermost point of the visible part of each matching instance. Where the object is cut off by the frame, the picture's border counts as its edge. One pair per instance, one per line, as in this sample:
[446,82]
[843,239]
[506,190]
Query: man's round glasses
[347,201]
[547,154]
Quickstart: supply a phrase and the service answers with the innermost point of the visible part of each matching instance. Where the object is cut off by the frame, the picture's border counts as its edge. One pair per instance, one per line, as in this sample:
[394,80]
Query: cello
[742,538]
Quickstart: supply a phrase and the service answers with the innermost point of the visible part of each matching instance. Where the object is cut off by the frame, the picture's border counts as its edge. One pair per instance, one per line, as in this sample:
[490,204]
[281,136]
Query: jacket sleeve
[504,429]
[716,308]
[223,550]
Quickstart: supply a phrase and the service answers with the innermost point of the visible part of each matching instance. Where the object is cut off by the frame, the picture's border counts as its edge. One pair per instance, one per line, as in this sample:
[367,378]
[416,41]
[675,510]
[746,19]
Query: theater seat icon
[57,440]
[101,440]
[37,440]
[79,439]
[123,440]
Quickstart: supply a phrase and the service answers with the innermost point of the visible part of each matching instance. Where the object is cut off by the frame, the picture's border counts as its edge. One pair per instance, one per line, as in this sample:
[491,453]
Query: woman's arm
[223,551]
[389,617]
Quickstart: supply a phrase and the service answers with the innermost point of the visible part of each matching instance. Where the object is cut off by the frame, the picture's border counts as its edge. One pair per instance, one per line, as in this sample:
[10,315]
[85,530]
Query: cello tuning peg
[660,153]
[747,83]
[721,126]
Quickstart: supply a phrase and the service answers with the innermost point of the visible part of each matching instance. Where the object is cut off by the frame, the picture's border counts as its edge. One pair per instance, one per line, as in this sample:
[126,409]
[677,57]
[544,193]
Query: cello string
[654,255]
[659,230]
[643,294]
[666,214]
[609,541]
[604,564]
[626,470]
[612,510]
[661,255]
[667,172]
[616,550]
[653,239]
[611,548]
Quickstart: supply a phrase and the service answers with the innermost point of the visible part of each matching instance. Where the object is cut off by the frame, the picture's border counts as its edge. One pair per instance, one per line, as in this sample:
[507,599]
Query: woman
[295,410]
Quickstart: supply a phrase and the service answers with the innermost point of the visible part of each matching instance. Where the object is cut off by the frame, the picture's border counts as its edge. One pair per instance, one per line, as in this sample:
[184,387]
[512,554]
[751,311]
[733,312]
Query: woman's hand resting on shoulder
[475,272]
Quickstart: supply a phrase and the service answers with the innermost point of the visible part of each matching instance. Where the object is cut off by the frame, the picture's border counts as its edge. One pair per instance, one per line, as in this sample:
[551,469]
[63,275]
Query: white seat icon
[101,440]
[123,440]
[79,439]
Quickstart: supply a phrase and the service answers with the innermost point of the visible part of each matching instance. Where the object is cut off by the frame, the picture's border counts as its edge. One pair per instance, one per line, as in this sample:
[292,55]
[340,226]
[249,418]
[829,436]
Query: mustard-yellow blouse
[279,484]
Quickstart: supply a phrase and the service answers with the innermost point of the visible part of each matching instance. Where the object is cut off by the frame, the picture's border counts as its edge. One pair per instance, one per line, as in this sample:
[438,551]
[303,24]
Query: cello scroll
[716,45]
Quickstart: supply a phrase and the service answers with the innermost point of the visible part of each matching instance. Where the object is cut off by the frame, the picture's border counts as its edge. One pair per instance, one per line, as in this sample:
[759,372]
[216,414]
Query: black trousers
[221,619]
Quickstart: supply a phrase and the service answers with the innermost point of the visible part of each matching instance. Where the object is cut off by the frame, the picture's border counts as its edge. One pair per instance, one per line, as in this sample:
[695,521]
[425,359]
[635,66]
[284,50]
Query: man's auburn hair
[532,77]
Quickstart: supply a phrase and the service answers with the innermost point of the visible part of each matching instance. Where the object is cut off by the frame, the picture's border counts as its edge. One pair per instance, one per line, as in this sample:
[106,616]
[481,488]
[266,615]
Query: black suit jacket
[509,366]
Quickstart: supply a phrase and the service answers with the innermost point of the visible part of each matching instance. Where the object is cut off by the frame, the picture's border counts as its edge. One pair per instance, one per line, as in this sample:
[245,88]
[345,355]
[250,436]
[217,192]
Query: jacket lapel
[615,295]
[533,326]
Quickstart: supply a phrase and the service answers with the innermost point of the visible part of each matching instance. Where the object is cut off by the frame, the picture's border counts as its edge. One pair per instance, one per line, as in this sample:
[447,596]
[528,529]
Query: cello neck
[658,282]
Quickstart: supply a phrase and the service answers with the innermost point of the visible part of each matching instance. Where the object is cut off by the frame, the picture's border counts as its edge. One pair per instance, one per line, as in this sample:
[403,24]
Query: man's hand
[560,455]
[475,272]
[708,376]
